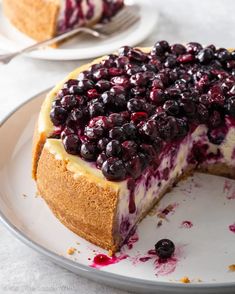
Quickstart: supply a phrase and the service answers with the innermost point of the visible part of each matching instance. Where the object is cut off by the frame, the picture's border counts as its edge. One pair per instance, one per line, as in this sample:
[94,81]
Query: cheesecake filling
[78,13]
[74,13]
[177,160]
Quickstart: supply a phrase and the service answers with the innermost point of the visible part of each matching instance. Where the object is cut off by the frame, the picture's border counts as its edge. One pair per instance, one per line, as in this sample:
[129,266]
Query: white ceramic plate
[203,251]
[83,46]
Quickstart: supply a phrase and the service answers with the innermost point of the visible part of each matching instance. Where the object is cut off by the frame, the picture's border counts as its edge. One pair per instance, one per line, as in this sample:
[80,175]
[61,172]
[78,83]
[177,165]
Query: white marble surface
[23,270]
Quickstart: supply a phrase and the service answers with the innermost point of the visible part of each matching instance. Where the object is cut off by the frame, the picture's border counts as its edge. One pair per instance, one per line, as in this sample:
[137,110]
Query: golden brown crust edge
[39,140]
[39,22]
[86,208]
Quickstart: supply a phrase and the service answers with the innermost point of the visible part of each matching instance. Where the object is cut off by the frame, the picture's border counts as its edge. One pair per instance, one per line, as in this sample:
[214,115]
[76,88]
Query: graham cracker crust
[37,19]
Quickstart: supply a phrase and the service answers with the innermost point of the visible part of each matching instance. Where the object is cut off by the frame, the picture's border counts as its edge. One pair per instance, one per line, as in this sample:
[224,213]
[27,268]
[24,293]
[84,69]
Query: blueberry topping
[58,115]
[113,148]
[193,47]
[102,85]
[230,106]
[68,101]
[102,143]
[96,109]
[88,151]
[164,248]
[123,111]
[160,48]
[100,160]
[134,166]
[113,169]
[223,55]
[205,55]
[117,133]
[150,129]
[129,149]
[178,49]
[71,144]
[85,85]
[171,107]
[76,115]
[130,130]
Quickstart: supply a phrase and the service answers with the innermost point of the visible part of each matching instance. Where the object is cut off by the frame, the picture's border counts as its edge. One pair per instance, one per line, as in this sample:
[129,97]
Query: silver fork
[127,17]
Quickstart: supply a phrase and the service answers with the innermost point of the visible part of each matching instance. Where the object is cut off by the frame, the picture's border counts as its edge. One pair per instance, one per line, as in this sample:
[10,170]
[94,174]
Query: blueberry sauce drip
[131,188]
[133,106]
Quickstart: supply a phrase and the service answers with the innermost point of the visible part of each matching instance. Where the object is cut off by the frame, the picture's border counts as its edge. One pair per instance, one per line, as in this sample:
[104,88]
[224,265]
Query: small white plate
[203,251]
[83,47]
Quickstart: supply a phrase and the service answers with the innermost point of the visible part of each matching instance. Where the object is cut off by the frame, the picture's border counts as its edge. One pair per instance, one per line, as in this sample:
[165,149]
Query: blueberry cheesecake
[44,19]
[118,133]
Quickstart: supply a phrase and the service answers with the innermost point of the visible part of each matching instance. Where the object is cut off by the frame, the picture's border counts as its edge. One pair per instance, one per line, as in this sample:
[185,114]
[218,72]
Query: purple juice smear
[132,240]
[144,259]
[162,267]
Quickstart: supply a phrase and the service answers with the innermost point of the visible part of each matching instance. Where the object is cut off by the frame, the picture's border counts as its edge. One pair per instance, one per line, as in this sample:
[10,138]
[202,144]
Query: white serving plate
[82,47]
[203,252]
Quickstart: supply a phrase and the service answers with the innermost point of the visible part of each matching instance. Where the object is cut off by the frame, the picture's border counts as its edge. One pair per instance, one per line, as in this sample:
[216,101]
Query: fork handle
[6,58]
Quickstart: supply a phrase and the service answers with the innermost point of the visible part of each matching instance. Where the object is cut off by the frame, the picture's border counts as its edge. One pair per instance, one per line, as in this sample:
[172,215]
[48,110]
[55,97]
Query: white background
[23,270]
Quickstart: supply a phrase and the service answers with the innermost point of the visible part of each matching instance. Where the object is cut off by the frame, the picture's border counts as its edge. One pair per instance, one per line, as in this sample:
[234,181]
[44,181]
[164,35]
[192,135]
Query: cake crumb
[110,253]
[185,280]
[24,195]
[163,213]
[153,211]
[78,243]
[71,250]
[199,280]
[159,223]
[231,267]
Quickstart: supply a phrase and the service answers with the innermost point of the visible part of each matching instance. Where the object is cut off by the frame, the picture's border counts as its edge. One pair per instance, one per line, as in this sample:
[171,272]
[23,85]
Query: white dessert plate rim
[110,278]
[12,39]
